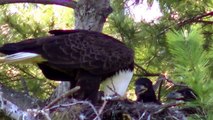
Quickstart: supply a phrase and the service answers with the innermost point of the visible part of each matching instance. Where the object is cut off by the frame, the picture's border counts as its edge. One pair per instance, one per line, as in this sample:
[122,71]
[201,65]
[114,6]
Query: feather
[22,57]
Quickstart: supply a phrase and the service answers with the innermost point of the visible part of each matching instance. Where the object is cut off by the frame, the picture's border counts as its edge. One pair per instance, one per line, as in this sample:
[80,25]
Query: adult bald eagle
[84,58]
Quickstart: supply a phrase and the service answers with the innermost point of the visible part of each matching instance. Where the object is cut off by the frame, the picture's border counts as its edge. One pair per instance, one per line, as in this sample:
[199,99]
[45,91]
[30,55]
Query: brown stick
[146,73]
[102,107]
[62,96]
[66,3]
[163,107]
[195,19]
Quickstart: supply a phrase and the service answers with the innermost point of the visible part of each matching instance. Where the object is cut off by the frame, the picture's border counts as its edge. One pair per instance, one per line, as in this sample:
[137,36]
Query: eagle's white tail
[24,57]
[117,83]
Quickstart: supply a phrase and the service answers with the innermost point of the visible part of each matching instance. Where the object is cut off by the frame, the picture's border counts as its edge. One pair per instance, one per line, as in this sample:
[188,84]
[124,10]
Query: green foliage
[148,39]
[186,55]
[191,63]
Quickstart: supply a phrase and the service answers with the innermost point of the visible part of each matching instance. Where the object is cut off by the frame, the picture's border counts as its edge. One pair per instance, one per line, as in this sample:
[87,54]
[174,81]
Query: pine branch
[188,21]
[145,72]
[204,22]
[196,19]
[66,3]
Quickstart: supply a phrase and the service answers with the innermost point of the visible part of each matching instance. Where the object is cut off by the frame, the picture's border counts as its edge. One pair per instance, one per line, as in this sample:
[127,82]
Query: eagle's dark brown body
[82,57]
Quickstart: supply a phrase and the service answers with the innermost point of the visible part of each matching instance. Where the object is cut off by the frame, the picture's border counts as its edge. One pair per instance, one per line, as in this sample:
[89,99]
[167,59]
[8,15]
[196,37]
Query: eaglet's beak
[140,89]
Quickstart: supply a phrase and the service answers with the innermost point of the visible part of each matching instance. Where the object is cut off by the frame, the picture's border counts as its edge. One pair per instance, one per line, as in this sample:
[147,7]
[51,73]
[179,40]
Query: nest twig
[68,93]
[116,110]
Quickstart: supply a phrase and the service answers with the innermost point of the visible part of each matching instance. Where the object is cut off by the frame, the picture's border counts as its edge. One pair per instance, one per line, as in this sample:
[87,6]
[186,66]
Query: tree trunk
[91,14]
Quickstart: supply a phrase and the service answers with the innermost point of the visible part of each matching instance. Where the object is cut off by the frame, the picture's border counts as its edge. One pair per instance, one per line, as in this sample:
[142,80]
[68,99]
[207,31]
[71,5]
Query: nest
[115,110]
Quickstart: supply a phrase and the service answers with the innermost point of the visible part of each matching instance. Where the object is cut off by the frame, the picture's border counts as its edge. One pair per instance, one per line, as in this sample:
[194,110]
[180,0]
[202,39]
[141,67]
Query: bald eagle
[184,94]
[84,58]
[187,94]
[144,91]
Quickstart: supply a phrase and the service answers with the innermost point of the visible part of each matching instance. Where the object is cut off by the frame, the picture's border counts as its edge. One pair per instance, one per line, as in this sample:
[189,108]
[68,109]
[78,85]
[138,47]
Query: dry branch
[63,96]
[74,103]
[14,111]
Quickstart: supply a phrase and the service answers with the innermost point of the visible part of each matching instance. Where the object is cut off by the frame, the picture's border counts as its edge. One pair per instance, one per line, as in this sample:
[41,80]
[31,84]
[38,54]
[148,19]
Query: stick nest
[115,110]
